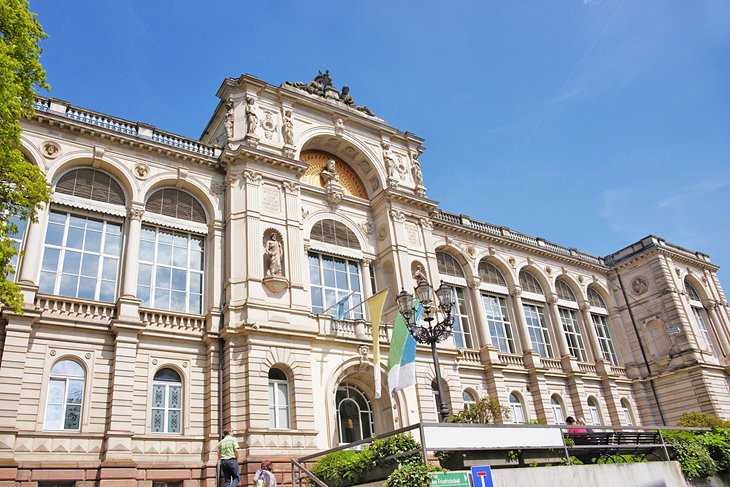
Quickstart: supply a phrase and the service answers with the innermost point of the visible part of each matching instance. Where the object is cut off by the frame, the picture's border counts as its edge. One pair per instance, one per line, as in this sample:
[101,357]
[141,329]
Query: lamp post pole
[429,333]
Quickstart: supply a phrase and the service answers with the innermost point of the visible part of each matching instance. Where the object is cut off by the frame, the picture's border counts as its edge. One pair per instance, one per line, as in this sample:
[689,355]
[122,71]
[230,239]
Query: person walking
[227,448]
[264,477]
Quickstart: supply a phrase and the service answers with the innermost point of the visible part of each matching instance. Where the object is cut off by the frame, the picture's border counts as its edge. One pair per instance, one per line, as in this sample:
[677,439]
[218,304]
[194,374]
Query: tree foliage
[484,411]
[23,188]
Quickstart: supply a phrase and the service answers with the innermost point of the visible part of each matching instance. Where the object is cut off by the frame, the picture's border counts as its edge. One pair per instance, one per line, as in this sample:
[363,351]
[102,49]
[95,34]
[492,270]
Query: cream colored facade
[260,169]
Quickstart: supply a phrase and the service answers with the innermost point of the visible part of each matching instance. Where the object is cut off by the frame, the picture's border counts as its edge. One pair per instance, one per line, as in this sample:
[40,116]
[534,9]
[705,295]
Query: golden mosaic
[317,160]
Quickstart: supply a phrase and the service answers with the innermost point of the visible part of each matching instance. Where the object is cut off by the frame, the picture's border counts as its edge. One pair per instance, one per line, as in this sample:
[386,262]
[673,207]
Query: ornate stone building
[175,286]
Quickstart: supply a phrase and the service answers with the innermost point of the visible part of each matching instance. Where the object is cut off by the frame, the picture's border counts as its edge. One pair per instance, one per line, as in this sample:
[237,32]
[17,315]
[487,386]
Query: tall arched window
[81,251]
[16,236]
[495,308]
[167,402]
[594,411]
[278,399]
[700,316]
[354,414]
[172,252]
[556,404]
[533,304]
[599,316]
[335,277]
[628,416]
[515,405]
[569,319]
[65,396]
[449,267]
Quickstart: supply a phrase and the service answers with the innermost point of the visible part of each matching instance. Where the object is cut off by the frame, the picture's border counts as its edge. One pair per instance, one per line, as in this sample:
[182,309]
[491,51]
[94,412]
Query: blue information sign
[482,476]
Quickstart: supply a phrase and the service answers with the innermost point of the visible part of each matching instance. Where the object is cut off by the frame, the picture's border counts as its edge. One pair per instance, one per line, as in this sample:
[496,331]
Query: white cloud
[692,191]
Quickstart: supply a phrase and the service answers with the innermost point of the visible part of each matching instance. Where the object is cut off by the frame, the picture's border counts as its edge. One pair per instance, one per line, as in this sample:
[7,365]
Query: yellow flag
[375,307]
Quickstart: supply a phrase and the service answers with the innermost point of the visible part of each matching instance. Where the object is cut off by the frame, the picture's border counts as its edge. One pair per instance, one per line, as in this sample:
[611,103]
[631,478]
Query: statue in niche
[274,251]
[329,173]
[416,169]
[388,160]
[229,118]
[252,120]
[287,129]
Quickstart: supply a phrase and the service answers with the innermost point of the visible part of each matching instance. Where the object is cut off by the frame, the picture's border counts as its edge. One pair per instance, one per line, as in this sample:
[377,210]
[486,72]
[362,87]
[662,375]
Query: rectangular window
[537,327]
[63,408]
[17,242]
[81,257]
[600,323]
[595,417]
[333,279]
[166,408]
[517,415]
[571,328]
[170,270]
[500,332]
[459,312]
[702,325]
[278,404]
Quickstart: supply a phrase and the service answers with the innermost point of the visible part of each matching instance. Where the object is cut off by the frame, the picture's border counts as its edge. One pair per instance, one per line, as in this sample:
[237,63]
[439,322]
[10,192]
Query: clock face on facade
[639,285]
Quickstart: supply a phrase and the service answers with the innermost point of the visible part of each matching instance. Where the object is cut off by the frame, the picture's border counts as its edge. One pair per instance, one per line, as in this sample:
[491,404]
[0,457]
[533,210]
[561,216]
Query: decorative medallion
[51,150]
[268,125]
[639,285]
[141,171]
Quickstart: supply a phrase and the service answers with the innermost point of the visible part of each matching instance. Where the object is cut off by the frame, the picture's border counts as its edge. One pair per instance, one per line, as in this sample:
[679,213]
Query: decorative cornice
[244,153]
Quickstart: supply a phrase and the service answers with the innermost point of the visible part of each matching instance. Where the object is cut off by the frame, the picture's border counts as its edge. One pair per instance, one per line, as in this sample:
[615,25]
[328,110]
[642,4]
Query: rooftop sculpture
[322,86]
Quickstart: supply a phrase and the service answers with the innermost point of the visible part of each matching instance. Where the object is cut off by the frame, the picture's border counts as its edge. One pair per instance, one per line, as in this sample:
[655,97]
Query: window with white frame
[594,411]
[172,252]
[569,320]
[278,399]
[16,227]
[571,328]
[333,279]
[700,316]
[449,267]
[167,402]
[500,331]
[599,316]
[354,414]
[628,415]
[515,405]
[556,405]
[469,399]
[81,257]
[65,396]
[535,314]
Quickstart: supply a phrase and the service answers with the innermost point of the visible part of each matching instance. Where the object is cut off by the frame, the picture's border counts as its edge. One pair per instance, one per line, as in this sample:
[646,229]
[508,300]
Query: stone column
[515,293]
[367,273]
[481,316]
[585,309]
[31,262]
[131,251]
[294,241]
[253,213]
[557,325]
[716,326]
[12,369]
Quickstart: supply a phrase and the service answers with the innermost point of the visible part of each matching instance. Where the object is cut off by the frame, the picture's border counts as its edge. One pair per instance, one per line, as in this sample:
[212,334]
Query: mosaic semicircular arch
[317,160]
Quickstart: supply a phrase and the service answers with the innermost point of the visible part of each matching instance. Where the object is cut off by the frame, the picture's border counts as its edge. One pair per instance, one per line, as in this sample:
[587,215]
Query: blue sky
[591,123]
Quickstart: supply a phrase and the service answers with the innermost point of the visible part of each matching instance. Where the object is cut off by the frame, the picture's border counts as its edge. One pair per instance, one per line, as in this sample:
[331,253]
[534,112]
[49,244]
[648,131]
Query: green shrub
[694,419]
[484,411]
[717,443]
[414,475]
[691,454]
[379,453]
[337,468]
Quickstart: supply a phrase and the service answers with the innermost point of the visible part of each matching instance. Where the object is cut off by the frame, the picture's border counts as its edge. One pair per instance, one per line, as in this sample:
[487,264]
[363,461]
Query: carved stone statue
[416,169]
[274,251]
[345,96]
[321,85]
[339,126]
[388,160]
[252,120]
[229,118]
[287,128]
[329,173]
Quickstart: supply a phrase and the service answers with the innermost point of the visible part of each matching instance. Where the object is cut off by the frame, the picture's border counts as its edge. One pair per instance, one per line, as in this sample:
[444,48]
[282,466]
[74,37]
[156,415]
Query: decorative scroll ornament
[322,86]
[252,177]
[268,125]
[291,187]
[398,216]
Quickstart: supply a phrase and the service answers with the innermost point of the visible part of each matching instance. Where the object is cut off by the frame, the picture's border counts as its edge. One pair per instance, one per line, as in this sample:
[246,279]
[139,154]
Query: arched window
[628,415]
[469,399]
[16,236]
[81,252]
[515,405]
[171,262]
[700,316]
[335,281]
[594,411]
[495,307]
[354,414]
[556,404]
[599,316]
[278,399]
[65,396]
[449,267]
[569,321]
[534,309]
[167,402]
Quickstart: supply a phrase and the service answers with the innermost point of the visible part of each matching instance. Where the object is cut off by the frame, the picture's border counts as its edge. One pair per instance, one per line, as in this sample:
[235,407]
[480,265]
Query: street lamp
[430,333]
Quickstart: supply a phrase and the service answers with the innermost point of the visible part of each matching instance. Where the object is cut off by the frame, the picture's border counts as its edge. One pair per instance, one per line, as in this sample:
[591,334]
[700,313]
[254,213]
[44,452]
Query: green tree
[484,411]
[23,189]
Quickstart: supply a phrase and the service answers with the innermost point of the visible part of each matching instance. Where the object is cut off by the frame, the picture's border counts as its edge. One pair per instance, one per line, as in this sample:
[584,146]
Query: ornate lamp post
[430,333]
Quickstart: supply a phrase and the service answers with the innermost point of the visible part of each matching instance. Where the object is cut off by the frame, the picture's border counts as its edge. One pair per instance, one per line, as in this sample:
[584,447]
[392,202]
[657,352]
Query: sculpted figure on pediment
[252,119]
